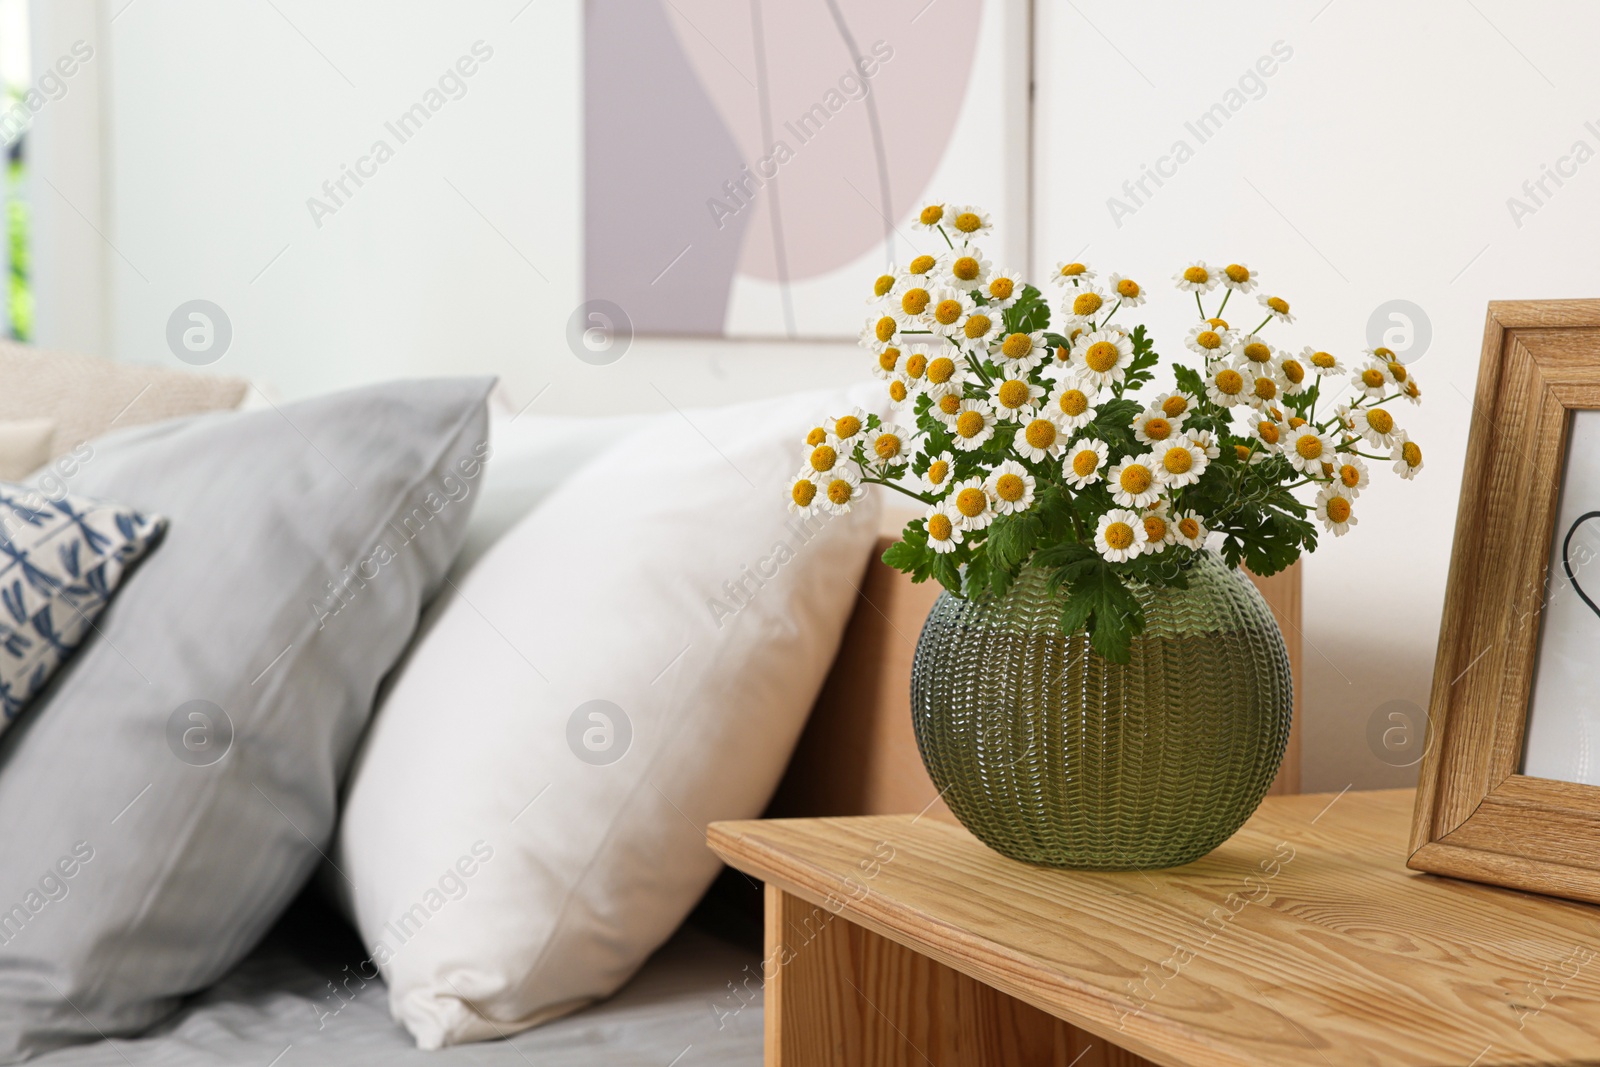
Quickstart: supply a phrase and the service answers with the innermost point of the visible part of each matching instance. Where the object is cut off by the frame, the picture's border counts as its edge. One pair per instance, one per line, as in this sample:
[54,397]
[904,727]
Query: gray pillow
[166,795]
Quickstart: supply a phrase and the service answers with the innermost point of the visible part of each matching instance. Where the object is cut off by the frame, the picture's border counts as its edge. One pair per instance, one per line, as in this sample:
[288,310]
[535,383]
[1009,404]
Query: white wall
[1377,165]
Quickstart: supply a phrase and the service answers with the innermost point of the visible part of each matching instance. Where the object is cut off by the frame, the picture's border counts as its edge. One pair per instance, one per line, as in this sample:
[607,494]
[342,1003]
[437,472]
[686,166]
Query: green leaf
[1098,601]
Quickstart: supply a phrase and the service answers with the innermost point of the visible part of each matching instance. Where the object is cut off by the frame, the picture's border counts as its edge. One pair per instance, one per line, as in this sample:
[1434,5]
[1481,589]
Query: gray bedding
[277,1010]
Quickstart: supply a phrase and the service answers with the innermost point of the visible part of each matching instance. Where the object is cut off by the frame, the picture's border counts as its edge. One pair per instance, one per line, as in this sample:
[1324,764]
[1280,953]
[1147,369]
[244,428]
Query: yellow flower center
[968,222]
[1308,446]
[897,391]
[1010,488]
[840,491]
[1087,304]
[1268,432]
[1128,288]
[804,492]
[938,471]
[848,426]
[1119,535]
[888,358]
[1293,371]
[1385,354]
[1016,346]
[1295,422]
[950,403]
[823,457]
[972,502]
[1197,275]
[921,265]
[1229,382]
[1135,478]
[1256,352]
[882,286]
[1338,509]
[1397,370]
[1013,394]
[940,368]
[1074,402]
[1002,288]
[931,214]
[1380,420]
[977,325]
[1063,354]
[816,436]
[970,424]
[1412,390]
[1411,452]
[1217,324]
[1350,476]
[947,312]
[965,268]
[915,365]
[1242,451]
[1265,388]
[1041,433]
[1278,304]
[915,301]
[1155,527]
[1189,527]
[1102,355]
[1208,339]
[1085,463]
[1178,460]
[1372,378]
[1236,273]
[940,528]
[1157,429]
[887,446]
[1175,406]
[1322,360]
[1072,270]
[885,328]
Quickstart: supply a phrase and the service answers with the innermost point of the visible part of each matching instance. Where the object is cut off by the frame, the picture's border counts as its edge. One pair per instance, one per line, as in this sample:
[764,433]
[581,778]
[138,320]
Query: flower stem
[924,497]
[1263,323]
[1199,305]
[1223,304]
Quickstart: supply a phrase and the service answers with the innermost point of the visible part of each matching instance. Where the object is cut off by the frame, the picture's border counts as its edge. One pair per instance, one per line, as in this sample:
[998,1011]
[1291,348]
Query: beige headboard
[858,755]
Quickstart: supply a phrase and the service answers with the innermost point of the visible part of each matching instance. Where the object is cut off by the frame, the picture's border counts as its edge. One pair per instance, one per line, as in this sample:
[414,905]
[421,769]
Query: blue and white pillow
[60,563]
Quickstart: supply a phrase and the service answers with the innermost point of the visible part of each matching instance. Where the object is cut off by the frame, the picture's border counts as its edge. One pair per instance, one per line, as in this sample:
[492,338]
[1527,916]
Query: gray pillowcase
[166,795]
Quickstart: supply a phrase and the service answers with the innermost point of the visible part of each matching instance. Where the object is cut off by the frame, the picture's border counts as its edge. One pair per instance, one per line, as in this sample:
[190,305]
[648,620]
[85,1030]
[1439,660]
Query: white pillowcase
[511,850]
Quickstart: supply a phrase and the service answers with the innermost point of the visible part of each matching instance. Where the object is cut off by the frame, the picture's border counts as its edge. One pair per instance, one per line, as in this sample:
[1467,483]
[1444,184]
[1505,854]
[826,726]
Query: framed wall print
[1510,786]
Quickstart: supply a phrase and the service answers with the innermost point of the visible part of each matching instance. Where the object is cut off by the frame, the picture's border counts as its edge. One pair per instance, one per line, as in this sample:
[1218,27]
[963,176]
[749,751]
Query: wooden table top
[1302,940]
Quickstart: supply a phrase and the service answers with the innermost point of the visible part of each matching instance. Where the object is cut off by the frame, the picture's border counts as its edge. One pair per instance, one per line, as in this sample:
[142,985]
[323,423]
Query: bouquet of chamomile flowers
[1033,445]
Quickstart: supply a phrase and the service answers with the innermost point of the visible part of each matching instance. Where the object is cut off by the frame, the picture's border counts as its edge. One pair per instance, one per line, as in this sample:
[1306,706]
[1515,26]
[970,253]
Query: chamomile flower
[1085,459]
[978,327]
[948,309]
[922,267]
[1411,390]
[911,303]
[1012,488]
[883,285]
[1157,529]
[1197,278]
[1102,357]
[886,362]
[805,495]
[943,523]
[947,408]
[1375,425]
[881,328]
[1261,384]
[1399,373]
[964,269]
[1072,274]
[848,425]
[816,436]
[1334,510]
[1182,462]
[973,503]
[930,217]
[1125,291]
[964,222]
[1226,386]
[841,488]
[1251,349]
[1291,374]
[887,444]
[1205,441]
[946,373]
[1187,529]
[1136,481]
[1268,436]
[823,458]
[1277,307]
[1407,456]
[915,364]
[1349,471]
[1307,450]
[1014,398]
[1238,277]
[1120,535]
[1373,380]
[1152,426]
[1019,353]
[973,425]
[1002,289]
[900,389]
[1176,406]
[1039,438]
[1072,405]
[936,479]
[1321,362]
[1073,327]
[1209,341]
[1085,302]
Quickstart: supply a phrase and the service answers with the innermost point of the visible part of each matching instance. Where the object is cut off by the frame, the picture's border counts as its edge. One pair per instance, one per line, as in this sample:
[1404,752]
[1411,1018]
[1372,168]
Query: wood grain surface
[1302,940]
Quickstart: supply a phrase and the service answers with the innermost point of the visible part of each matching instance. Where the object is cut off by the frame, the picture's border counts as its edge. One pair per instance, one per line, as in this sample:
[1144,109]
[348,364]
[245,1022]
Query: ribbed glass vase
[1051,755]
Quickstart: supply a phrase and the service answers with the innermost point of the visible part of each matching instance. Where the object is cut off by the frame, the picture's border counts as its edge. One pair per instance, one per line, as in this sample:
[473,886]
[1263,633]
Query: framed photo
[1510,784]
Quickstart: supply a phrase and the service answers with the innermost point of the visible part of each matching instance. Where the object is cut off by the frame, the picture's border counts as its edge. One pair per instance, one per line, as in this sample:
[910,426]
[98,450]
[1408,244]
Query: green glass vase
[1051,755]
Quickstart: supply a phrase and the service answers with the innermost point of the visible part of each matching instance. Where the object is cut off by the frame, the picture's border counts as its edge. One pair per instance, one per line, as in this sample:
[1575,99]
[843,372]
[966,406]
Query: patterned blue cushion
[60,563]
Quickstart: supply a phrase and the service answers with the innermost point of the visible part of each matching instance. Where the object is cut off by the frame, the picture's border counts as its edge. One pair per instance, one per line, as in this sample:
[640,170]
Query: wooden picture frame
[1477,816]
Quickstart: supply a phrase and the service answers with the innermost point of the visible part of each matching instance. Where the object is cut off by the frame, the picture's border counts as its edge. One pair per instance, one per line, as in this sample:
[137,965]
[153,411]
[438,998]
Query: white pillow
[510,850]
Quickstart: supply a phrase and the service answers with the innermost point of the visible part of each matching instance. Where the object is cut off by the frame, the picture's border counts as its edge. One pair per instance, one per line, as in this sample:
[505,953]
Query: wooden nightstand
[894,940]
